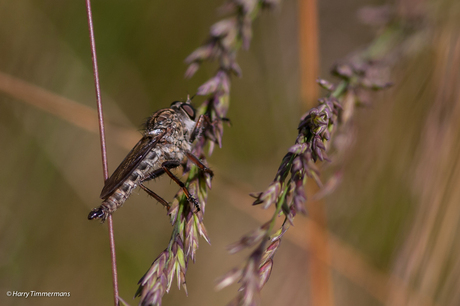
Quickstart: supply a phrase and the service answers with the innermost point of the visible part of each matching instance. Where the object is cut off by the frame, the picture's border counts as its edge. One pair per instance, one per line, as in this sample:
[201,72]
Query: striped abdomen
[122,193]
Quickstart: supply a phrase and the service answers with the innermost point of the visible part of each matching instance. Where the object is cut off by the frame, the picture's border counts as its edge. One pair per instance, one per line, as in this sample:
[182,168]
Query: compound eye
[189,110]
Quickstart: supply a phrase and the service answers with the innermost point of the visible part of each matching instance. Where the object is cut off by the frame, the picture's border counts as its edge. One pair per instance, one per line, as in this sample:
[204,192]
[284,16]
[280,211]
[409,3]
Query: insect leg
[155,196]
[197,162]
[153,175]
[173,164]
[202,122]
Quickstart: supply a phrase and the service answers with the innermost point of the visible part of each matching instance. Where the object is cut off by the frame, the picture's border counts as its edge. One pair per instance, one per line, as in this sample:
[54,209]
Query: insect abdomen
[119,196]
[122,193]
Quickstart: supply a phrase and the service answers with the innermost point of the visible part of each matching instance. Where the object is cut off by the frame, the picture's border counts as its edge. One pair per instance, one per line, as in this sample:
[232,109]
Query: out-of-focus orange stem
[321,293]
[309,53]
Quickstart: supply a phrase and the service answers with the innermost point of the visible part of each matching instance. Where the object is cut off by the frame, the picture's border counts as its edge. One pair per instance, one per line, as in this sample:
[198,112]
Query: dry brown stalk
[321,287]
[64,108]
[430,256]
[309,52]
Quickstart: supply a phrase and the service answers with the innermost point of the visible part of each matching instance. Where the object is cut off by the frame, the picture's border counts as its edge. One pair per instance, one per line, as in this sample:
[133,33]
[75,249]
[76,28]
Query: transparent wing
[129,164]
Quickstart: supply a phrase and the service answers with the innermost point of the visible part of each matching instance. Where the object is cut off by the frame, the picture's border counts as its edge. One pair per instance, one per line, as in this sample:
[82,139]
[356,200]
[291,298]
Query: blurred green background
[396,211]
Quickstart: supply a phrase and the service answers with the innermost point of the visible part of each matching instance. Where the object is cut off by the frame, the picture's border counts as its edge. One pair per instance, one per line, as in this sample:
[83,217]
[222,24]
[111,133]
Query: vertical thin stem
[103,147]
[321,293]
[113,258]
[98,91]
[309,52]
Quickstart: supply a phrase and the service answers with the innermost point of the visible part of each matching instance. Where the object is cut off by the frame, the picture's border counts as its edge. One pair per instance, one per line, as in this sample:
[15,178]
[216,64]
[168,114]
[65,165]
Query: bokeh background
[392,223]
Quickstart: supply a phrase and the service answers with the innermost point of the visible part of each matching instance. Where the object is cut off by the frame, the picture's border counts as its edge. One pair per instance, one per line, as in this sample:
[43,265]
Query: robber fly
[166,142]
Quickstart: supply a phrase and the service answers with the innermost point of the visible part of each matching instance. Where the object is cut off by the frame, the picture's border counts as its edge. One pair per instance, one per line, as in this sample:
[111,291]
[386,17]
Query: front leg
[202,122]
[197,162]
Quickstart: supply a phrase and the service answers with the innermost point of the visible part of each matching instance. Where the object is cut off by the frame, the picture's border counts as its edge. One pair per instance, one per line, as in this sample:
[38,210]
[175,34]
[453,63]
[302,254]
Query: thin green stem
[279,204]
[340,89]
[176,230]
[288,169]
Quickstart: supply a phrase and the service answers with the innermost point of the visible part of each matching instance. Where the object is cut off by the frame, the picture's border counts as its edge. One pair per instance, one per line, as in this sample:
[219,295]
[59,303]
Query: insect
[166,142]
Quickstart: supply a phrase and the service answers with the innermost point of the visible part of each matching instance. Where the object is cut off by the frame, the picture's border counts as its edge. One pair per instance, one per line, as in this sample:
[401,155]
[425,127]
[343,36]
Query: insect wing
[129,164]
